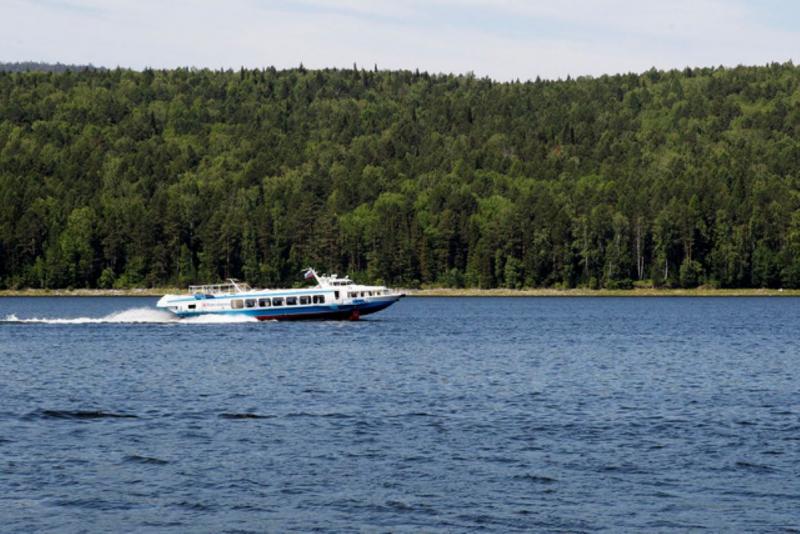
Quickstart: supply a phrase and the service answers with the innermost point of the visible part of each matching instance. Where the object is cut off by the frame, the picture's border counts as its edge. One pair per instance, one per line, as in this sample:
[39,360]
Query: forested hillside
[36,66]
[123,178]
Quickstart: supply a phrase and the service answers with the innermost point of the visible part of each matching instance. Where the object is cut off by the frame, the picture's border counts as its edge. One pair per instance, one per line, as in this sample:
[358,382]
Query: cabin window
[192,306]
[263,303]
[291,301]
[237,304]
[277,301]
[319,299]
[250,303]
[305,299]
[336,295]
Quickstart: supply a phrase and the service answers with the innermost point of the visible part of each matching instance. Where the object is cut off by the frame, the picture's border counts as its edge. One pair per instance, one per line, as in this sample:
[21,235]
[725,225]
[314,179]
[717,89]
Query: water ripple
[78,414]
[496,415]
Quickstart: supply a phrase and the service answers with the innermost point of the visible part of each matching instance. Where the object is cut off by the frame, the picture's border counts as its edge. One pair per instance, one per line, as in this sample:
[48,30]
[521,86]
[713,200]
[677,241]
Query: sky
[501,39]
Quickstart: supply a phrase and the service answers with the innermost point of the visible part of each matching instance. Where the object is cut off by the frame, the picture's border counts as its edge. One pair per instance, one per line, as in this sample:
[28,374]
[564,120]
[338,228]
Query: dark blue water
[554,414]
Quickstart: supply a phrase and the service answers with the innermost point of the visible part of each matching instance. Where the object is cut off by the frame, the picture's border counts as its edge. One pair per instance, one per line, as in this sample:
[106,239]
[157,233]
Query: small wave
[412,414]
[245,416]
[333,415]
[536,479]
[81,414]
[135,458]
[196,506]
[753,467]
[91,504]
[623,468]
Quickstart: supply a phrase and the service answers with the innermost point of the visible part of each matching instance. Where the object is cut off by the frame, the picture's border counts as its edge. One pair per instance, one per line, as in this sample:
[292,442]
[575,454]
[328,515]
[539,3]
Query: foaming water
[134,316]
[219,319]
[437,415]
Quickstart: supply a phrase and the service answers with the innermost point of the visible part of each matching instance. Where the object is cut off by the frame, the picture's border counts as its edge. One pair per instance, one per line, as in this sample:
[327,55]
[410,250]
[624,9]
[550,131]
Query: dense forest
[36,66]
[118,178]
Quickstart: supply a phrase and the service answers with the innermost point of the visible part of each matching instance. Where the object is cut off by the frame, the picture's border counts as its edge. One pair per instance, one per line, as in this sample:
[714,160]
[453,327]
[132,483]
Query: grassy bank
[444,292]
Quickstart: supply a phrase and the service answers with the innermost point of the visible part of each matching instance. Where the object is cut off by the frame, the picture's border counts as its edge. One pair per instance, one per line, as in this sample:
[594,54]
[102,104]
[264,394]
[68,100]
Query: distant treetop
[37,66]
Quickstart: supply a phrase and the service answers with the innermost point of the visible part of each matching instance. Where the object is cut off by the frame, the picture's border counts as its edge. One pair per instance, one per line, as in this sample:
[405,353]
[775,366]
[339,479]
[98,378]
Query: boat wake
[134,316]
[218,319]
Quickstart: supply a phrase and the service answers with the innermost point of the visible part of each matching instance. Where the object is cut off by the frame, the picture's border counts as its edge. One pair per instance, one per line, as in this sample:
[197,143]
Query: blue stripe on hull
[283,313]
[304,315]
[372,307]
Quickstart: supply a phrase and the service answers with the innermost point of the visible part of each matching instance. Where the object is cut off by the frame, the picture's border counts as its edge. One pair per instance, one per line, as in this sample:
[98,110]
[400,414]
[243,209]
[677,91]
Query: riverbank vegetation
[117,178]
[702,291]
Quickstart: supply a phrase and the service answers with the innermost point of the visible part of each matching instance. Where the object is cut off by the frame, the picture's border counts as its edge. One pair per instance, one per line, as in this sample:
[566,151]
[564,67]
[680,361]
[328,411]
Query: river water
[438,414]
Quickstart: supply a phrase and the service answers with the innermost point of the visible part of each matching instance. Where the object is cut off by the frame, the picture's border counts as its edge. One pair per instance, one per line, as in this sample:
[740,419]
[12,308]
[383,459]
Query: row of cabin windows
[354,294]
[265,302]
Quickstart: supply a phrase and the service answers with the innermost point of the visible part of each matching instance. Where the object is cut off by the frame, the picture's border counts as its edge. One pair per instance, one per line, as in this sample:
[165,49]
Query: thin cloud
[504,39]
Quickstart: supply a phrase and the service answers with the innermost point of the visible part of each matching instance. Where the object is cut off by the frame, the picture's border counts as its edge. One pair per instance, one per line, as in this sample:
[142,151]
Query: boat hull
[304,315]
[377,305]
[350,312]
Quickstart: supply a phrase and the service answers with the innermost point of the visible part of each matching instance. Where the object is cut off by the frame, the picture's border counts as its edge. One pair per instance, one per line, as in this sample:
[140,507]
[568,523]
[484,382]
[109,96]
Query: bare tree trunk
[585,251]
[639,258]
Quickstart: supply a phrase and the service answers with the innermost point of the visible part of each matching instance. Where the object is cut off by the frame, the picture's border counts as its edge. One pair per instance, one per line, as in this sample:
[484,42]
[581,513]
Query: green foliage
[106,280]
[691,273]
[116,178]
[77,251]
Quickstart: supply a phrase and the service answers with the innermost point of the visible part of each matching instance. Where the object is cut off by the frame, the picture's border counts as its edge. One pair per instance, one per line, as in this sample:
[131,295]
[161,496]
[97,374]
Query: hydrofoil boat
[331,298]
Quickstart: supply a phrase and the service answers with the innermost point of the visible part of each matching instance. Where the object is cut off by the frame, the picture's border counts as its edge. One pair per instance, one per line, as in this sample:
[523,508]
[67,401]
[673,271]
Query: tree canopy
[118,178]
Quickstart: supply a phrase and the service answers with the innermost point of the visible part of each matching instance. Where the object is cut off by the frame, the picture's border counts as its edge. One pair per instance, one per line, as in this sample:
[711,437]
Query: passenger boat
[331,298]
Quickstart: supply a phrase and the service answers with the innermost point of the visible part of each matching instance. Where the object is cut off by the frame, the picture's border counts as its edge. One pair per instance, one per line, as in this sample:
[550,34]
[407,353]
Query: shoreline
[584,292]
[445,292]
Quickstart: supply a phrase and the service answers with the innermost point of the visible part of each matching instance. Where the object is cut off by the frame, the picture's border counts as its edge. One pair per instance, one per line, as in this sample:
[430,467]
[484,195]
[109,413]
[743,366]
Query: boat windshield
[220,289]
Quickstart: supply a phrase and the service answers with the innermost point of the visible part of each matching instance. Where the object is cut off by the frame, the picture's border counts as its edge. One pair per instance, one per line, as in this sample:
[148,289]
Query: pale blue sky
[503,39]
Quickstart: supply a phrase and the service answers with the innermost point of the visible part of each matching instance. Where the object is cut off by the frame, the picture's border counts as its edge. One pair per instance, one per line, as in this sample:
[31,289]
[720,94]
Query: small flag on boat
[309,274]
